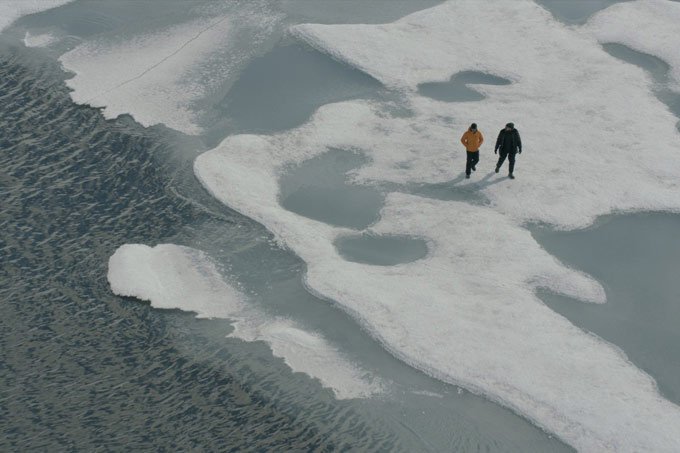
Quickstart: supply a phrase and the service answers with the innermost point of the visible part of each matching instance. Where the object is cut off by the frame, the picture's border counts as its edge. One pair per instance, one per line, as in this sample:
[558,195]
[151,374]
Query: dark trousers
[501,158]
[472,159]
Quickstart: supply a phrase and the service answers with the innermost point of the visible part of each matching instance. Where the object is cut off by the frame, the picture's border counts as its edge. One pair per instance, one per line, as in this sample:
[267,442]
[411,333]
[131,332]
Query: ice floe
[467,312]
[171,276]
[649,26]
[158,77]
[572,102]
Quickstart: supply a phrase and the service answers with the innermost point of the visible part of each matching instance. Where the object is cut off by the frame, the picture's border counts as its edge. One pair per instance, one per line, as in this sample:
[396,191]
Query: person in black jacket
[508,144]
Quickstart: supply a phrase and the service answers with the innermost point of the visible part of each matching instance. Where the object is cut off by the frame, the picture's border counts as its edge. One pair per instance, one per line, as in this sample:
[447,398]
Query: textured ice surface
[649,26]
[158,77]
[582,145]
[11,10]
[171,276]
[467,313]
[146,77]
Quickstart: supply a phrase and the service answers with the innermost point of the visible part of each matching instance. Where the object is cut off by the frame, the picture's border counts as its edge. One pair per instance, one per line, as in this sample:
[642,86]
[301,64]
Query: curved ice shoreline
[171,276]
[467,314]
[160,76]
[476,300]
[650,26]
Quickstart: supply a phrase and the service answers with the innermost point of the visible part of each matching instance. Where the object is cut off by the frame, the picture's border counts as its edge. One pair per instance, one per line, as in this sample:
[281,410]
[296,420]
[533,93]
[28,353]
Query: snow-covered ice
[171,276]
[467,313]
[649,26]
[146,76]
[159,76]
[572,101]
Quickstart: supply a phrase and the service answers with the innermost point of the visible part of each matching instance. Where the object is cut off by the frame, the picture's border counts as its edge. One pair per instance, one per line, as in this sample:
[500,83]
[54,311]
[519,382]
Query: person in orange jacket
[472,139]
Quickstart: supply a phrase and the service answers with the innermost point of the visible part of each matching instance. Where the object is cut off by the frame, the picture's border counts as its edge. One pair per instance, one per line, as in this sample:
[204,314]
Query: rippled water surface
[83,369]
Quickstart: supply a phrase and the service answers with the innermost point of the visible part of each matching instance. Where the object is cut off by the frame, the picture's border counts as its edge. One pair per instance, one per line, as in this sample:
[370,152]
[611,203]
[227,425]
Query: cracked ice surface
[649,26]
[467,313]
[171,276]
[158,77]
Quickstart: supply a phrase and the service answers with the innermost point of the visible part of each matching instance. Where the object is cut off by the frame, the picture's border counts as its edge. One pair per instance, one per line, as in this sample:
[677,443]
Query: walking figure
[507,145]
[472,139]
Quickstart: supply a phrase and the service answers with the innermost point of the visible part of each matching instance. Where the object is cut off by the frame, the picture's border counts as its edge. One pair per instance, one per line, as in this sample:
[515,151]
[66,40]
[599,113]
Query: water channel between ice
[635,266]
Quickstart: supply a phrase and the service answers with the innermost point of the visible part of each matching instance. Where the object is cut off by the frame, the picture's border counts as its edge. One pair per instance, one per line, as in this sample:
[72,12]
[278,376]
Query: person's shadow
[486,181]
[455,190]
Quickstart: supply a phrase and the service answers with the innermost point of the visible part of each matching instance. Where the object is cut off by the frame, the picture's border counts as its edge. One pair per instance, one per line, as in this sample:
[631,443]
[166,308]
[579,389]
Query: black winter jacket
[508,141]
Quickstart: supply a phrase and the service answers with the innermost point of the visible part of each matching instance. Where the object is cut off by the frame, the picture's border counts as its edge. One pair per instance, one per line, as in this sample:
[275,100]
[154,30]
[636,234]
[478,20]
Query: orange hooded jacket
[472,140]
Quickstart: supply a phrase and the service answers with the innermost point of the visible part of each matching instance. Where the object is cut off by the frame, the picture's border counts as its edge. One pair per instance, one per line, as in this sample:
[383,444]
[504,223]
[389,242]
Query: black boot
[498,169]
[510,176]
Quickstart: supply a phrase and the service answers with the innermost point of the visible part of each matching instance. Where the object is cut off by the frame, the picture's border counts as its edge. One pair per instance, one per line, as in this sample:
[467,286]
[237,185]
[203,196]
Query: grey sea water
[82,369]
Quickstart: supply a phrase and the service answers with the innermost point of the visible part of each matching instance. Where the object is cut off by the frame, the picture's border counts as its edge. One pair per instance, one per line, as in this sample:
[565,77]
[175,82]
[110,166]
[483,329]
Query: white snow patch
[310,353]
[649,26]
[42,40]
[11,10]
[171,276]
[571,101]
[145,76]
[467,313]
[159,77]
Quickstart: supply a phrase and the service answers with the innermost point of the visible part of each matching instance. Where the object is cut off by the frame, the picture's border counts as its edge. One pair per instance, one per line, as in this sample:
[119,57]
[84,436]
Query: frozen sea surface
[358,176]
[75,187]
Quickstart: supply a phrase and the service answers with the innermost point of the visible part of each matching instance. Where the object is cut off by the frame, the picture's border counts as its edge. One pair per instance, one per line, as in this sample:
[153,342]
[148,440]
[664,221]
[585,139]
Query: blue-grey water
[381,250]
[456,89]
[637,259]
[82,369]
[263,99]
[576,11]
[320,189]
[658,69]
